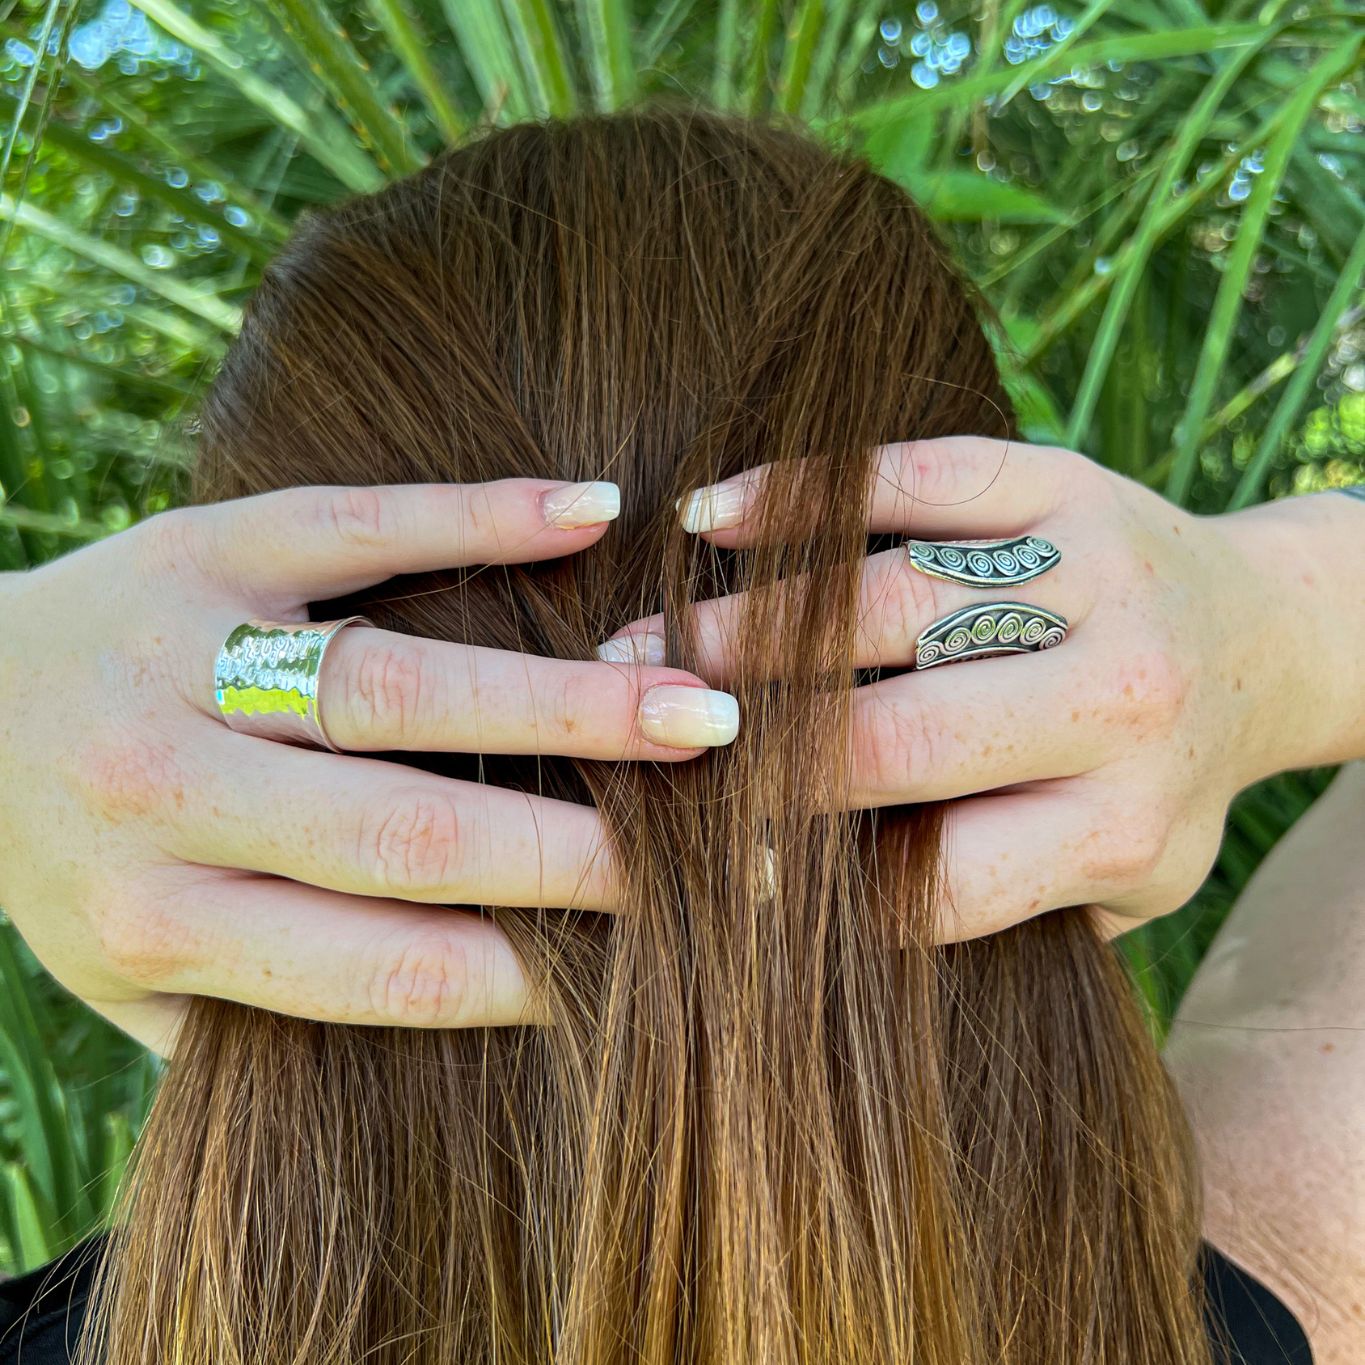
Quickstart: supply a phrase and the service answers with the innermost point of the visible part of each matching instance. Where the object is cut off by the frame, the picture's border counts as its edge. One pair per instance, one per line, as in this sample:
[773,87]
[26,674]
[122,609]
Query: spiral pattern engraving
[984,564]
[988,629]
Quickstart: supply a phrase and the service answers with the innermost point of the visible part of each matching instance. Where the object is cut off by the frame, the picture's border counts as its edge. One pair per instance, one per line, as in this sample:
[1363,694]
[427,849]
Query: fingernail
[582,504]
[688,717]
[715,507]
[632,649]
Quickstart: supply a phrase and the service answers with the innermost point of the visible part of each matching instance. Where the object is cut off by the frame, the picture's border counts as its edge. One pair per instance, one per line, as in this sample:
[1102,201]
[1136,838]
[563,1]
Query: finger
[896,602]
[314,954]
[375,828]
[976,726]
[319,542]
[381,690]
[968,486]
[1014,855]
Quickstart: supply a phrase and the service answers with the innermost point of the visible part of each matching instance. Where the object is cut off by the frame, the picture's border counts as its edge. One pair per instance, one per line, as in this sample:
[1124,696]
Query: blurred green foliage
[1159,199]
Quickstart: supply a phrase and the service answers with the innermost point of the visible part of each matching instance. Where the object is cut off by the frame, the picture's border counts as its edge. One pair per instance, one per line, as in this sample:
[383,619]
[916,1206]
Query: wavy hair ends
[771,1120]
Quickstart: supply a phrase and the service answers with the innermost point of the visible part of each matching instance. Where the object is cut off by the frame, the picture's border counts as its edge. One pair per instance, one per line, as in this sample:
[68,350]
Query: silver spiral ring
[265,679]
[988,629]
[984,563]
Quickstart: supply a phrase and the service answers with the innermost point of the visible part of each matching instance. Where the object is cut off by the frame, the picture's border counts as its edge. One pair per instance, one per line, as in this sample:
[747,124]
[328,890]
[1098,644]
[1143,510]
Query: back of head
[770,1119]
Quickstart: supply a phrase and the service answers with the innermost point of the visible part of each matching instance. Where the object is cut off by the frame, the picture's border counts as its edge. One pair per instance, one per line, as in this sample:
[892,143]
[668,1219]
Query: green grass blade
[1300,387]
[798,55]
[1040,244]
[326,138]
[348,80]
[120,375]
[1237,271]
[117,1148]
[1192,131]
[605,32]
[414,49]
[537,37]
[825,60]
[127,173]
[991,23]
[724,74]
[25,97]
[32,1219]
[663,28]
[1075,302]
[268,223]
[756,76]
[486,46]
[46,1144]
[193,299]
[850,62]
[1127,47]
[961,195]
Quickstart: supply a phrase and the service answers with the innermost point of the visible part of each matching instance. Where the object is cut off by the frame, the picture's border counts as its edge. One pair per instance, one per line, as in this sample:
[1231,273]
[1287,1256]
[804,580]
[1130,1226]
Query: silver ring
[984,563]
[265,679]
[990,628]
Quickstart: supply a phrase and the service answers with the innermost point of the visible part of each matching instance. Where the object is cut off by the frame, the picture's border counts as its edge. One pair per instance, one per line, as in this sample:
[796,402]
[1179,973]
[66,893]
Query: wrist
[1304,578]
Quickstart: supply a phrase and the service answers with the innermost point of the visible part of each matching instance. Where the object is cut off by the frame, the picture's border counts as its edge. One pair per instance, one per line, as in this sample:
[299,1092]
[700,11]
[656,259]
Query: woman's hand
[151,853]
[1098,772]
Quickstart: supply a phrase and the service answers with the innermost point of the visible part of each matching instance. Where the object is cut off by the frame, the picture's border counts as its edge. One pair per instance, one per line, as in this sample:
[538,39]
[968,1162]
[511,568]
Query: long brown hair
[771,1120]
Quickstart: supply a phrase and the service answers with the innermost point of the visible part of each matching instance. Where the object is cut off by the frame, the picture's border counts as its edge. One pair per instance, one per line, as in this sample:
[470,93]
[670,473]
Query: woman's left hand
[1095,773]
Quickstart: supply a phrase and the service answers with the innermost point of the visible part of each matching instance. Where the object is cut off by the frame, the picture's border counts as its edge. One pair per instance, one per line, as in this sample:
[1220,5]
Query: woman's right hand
[151,854]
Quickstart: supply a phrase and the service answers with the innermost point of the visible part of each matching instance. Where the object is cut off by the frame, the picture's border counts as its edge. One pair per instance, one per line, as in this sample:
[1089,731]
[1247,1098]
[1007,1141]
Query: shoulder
[41,1311]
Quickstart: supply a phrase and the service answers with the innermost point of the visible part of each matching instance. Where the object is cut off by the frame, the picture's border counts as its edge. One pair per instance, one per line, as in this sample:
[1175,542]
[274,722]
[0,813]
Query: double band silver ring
[990,628]
[265,679]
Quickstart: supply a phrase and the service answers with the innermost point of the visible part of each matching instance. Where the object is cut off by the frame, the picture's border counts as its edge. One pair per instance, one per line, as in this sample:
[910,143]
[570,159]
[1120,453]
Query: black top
[41,1313]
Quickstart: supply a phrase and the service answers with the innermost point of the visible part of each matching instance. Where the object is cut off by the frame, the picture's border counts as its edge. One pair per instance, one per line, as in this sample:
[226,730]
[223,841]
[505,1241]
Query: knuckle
[919,473]
[901,602]
[425,981]
[414,844]
[566,708]
[1080,474]
[1128,851]
[387,690]
[172,541]
[478,519]
[1147,690]
[132,778]
[897,746]
[357,516]
[144,941]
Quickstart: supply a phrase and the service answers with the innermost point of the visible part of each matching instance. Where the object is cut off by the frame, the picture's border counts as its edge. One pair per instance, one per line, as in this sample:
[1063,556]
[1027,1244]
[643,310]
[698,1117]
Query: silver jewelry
[984,563]
[265,679]
[991,628]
